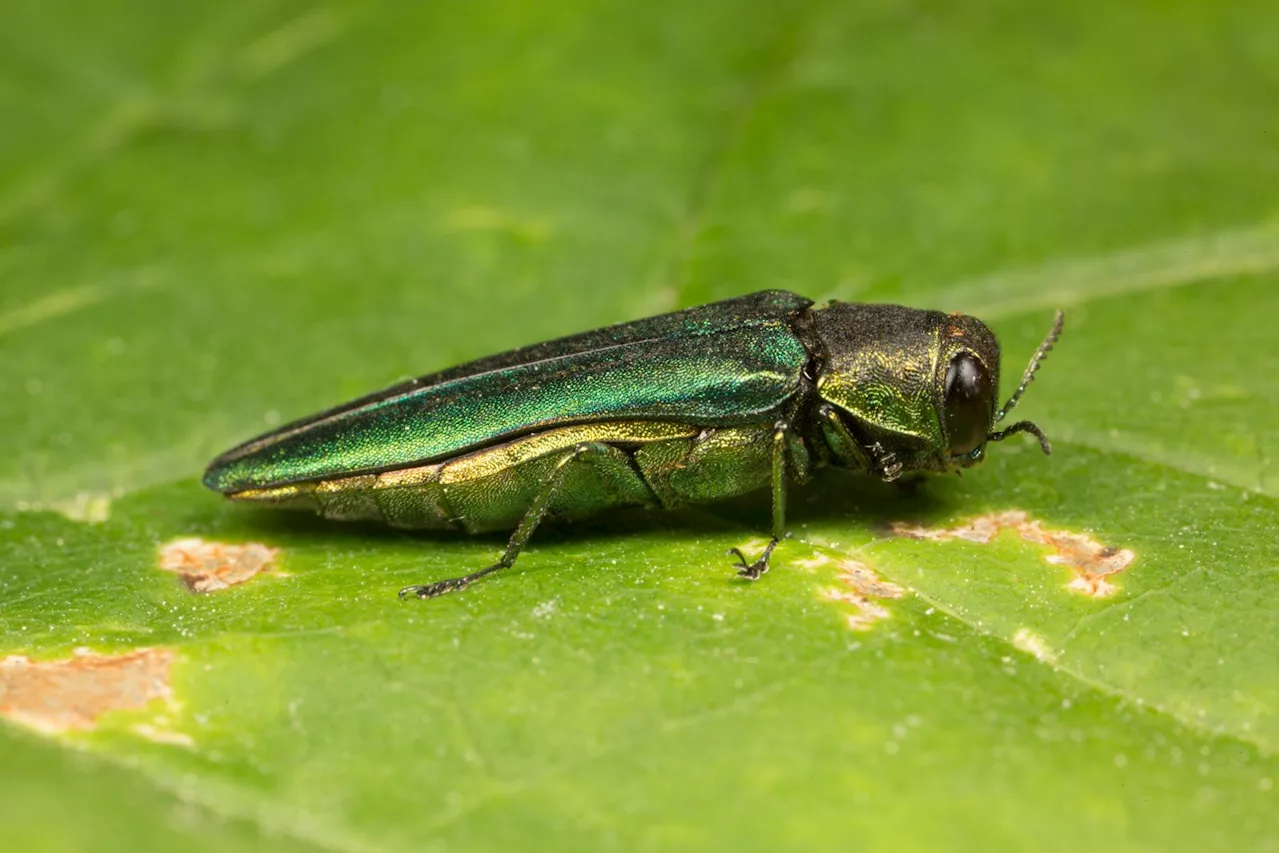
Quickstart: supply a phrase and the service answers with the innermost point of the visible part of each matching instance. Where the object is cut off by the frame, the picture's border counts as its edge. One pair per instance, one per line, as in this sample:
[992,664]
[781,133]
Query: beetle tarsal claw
[753,571]
[890,467]
[432,590]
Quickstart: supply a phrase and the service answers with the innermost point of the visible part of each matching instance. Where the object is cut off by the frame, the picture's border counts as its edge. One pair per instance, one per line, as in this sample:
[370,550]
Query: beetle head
[913,390]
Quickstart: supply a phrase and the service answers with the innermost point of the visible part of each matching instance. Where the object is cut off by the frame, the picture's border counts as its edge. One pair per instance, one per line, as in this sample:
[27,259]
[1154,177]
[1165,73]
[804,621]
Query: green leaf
[217,217]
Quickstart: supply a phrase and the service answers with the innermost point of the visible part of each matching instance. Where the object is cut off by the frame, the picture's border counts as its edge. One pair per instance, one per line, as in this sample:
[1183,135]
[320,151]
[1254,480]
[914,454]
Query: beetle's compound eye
[967,404]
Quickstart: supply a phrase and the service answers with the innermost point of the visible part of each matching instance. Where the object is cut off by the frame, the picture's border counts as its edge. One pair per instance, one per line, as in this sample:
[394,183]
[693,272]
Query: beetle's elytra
[688,407]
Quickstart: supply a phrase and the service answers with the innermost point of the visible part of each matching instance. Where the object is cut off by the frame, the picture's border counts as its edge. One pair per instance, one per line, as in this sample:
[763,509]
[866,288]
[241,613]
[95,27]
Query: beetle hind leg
[432,590]
[584,453]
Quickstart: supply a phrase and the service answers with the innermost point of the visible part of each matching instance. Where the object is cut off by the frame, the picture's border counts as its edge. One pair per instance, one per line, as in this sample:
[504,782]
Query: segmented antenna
[1030,373]
[1022,426]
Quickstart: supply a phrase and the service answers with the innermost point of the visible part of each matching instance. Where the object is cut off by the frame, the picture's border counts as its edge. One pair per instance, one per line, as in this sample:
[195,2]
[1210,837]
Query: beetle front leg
[778,484]
[874,459]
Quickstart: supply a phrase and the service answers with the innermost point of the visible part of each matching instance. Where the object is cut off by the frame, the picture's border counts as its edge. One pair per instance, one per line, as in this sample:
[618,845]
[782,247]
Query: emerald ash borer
[688,407]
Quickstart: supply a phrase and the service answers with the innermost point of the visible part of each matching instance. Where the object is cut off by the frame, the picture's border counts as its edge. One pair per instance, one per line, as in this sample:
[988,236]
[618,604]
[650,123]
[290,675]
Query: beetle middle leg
[778,487]
[584,453]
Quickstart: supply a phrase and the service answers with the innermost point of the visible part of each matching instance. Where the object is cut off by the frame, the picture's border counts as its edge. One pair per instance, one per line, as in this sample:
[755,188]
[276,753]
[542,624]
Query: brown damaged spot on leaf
[57,696]
[211,566]
[862,589]
[1090,561]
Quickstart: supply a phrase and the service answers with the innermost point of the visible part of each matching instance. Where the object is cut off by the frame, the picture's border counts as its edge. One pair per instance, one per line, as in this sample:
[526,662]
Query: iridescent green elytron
[689,407]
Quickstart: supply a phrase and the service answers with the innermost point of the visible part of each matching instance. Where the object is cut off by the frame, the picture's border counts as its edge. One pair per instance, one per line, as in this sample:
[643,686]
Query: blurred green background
[215,217]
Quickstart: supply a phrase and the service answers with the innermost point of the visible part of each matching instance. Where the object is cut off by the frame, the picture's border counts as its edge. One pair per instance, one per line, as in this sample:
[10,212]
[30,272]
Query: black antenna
[1022,426]
[1027,376]
[1030,373]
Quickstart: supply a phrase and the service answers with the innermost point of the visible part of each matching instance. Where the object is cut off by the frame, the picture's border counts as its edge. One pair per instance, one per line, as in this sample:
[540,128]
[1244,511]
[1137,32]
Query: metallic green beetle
[688,407]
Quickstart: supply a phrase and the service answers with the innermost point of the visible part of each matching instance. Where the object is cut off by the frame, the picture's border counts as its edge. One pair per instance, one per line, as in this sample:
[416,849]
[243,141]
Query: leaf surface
[217,218]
